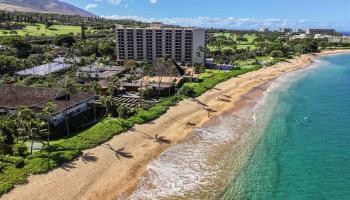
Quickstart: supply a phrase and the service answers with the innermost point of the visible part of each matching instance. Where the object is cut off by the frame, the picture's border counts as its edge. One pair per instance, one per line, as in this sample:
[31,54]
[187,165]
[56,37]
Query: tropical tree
[123,111]
[96,88]
[67,89]
[7,135]
[28,124]
[108,102]
[141,87]
[129,65]
[48,111]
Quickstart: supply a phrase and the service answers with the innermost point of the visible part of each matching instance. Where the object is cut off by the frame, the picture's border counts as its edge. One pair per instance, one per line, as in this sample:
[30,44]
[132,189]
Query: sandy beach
[100,174]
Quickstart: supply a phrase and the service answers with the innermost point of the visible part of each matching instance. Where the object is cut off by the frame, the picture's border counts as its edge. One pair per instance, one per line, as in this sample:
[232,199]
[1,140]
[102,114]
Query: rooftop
[95,71]
[36,98]
[42,70]
[95,68]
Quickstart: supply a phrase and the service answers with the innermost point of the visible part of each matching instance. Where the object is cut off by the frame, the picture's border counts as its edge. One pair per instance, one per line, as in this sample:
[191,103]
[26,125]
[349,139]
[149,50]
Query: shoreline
[107,176]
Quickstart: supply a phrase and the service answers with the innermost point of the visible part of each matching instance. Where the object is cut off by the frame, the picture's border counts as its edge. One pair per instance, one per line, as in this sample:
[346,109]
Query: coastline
[108,176]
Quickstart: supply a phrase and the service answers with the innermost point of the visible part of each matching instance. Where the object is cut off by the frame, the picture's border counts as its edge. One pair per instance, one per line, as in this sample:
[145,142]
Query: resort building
[285,30]
[300,36]
[36,99]
[264,30]
[298,30]
[99,72]
[334,39]
[147,44]
[321,31]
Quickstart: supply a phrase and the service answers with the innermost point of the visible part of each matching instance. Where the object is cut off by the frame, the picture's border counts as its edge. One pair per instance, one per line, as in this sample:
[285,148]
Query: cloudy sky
[231,14]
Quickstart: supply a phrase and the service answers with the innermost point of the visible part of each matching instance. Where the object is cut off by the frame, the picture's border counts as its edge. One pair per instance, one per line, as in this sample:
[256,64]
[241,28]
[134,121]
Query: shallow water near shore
[289,140]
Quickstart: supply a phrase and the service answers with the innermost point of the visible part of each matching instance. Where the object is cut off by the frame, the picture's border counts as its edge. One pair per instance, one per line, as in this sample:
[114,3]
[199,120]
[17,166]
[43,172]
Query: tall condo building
[184,45]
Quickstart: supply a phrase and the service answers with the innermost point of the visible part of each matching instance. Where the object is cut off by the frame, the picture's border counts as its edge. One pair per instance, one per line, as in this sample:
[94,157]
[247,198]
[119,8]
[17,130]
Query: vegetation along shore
[99,174]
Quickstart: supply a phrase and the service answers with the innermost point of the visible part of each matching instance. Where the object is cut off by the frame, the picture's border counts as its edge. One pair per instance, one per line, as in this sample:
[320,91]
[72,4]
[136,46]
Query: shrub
[20,149]
[64,39]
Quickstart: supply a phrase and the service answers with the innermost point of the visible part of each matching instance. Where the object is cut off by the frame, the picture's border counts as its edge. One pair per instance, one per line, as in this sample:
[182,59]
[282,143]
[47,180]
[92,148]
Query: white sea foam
[195,166]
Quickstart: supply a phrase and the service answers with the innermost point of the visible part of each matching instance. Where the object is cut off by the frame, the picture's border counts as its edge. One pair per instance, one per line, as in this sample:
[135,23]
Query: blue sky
[232,14]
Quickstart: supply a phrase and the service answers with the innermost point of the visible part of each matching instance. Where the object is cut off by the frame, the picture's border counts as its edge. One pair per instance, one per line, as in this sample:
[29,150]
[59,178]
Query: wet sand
[100,174]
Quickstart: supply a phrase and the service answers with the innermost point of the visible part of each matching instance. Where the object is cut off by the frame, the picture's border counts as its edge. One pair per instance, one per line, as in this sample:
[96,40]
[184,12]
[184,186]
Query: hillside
[44,6]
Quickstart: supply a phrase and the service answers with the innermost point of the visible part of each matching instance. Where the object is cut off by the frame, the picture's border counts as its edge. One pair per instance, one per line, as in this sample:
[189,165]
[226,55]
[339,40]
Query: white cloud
[90,6]
[153,1]
[115,2]
[229,22]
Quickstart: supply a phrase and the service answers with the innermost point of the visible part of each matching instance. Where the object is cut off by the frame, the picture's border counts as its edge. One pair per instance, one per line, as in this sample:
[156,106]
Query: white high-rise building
[264,30]
[184,45]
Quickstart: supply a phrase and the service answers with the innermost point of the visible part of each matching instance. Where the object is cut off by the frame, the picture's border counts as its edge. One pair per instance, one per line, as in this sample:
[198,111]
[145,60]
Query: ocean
[291,140]
[346,33]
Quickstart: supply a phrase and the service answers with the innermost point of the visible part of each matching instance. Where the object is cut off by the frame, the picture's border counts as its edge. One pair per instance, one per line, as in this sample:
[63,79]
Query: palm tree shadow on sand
[157,138]
[88,157]
[120,153]
[161,139]
[68,166]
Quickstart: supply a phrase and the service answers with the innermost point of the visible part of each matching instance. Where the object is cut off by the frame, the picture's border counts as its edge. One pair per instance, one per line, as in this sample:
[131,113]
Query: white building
[333,39]
[285,30]
[321,31]
[264,30]
[300,36]
[147,44]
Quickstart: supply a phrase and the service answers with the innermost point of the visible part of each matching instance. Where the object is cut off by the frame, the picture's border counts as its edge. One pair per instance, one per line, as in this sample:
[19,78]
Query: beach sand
[100,174]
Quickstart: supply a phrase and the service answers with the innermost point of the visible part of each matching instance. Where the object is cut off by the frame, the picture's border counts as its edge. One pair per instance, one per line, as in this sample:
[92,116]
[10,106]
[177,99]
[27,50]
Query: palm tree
[65,59]
[95,87]
[67,89]
[158,65]
[106,60]
[47,60]
[108,102]
[48,111]
[141,87]
[113,85]
[71,55]
[27,123]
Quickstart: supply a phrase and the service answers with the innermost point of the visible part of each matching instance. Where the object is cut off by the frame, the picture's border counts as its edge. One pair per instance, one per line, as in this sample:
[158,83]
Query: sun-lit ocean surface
[294,143]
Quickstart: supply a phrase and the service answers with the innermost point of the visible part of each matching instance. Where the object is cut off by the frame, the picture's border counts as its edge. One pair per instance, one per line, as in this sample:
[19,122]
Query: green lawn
[40,29]
[240,45]
[250,37]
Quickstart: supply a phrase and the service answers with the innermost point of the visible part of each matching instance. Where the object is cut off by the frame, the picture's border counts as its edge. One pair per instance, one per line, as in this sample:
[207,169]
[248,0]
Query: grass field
[240,44]
[40,29]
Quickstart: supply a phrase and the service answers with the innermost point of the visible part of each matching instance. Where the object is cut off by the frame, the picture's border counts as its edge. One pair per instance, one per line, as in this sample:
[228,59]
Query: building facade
[264,30]
[321,31]
[285,30]
[147,44]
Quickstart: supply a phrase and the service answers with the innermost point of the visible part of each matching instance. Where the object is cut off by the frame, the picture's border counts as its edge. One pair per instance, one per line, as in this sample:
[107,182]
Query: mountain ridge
[43,6]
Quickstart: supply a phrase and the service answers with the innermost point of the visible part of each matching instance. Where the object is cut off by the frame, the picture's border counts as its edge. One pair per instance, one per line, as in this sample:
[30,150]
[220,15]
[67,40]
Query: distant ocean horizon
[346,33]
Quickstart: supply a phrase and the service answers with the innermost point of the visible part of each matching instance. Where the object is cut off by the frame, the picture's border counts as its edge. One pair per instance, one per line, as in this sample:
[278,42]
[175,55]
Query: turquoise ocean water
[292,143]
[305,150]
